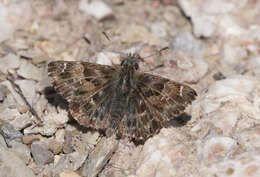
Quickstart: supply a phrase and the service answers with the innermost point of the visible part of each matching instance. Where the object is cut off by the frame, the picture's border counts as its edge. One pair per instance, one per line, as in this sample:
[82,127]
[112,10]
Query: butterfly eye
[136,66]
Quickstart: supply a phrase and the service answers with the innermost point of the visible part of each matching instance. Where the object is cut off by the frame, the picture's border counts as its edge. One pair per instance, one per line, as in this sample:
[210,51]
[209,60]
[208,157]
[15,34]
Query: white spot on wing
[181,89]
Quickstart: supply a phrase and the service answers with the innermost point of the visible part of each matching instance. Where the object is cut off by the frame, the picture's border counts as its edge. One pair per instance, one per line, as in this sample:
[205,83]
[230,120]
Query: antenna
[159,51]
[105,34]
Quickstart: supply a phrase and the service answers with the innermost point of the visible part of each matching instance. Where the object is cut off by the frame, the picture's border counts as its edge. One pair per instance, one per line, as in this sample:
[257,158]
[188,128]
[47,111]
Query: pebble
[40,105]
[98,9]
[250,138]
[51,122]
[10,134]
[103,59]
[59,135]
[138,33]
[9,114]
[236,39]
[72,161]
[99,156]
[182,67]
[41,154]
[239,94]
[159,29]
[28,90]
[21,121]
[2,142]
[55,146]
[242,165]
[10,61]
[29,139]
[68,173]
[170,152]
[187,43]
[3,92]
[19,100]
[254,66]
[29,71]
[13,16]
[22,151]
[205,17]
[124,158]
[12,166]
[219,76]
[216,149]
[67,147]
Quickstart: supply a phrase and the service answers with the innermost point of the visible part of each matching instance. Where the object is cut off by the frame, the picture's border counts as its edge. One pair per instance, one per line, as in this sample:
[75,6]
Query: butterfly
[119,100]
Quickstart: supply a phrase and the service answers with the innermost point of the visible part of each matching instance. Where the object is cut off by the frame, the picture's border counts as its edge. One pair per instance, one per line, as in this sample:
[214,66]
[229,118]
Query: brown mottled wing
[156,101]
[98,99]
[87,88]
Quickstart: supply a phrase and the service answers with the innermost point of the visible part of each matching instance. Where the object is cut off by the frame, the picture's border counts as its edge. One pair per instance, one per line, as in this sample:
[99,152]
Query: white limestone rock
[98,9]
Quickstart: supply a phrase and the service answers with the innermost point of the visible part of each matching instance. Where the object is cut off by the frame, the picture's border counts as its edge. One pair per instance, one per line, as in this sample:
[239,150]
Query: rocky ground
[214,46]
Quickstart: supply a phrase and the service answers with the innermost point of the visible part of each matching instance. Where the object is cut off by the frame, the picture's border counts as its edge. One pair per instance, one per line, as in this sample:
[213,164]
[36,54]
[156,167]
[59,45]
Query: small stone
[68,173]
[21,121]
[40,105]
[41,154]
[2,142]
[23,108]
[67,147]
[183,67]
[59,135]
[19,100]
[3,92]
[10,134]
[43,83]
[9,61]
[123,158]
[113,57]
[250,138]
[102,59]
[22,151]
[12,166]
[254,65]
[55,146]
[227,100]
[170,152]
[45,171]
[28,90]
[219,76]
[216,149]
[29,139]
[90,139]
[99,156]
[13,16]
[137,33]
[186,42]
[51,122]
[96,8]
[9,114]
[159,29]
[241,165]
[29,71]
[72,161]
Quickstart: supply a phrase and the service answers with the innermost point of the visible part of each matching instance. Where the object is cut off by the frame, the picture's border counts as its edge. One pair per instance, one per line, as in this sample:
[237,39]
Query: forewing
[167,97]
[87,88]
[156,101]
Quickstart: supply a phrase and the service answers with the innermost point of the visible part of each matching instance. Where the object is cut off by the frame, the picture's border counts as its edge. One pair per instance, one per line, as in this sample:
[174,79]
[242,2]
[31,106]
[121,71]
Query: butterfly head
[130,62]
